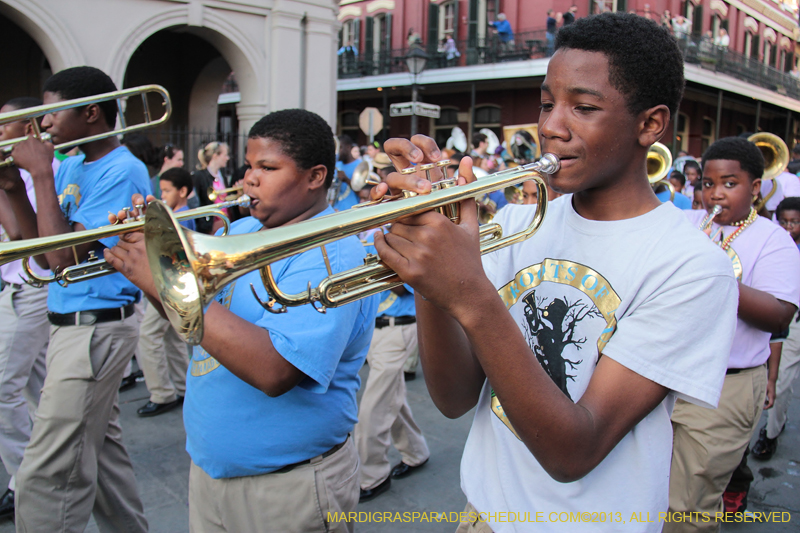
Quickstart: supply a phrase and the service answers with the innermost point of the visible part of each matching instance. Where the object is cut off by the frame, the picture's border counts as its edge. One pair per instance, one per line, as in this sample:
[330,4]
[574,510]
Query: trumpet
[190,268]
[32,113]
[94,267]
[776,157]
[233,192]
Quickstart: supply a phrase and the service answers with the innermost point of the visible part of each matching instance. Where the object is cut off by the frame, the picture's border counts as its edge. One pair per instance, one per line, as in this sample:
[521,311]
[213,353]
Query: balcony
[527,45]
[532,45]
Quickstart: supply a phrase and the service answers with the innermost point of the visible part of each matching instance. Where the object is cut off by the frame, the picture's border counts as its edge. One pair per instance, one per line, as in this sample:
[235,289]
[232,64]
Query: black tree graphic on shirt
[551,328]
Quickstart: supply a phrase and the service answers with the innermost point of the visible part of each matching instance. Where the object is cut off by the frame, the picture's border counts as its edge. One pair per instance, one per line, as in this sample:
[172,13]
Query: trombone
[94,267]
[32,113]
[190,268]
[776,157]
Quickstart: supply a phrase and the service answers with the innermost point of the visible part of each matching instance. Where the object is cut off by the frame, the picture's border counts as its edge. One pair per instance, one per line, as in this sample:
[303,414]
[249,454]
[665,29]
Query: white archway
[57,44]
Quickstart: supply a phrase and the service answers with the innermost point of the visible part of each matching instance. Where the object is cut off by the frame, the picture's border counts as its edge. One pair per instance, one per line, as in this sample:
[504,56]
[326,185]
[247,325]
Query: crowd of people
[578,348]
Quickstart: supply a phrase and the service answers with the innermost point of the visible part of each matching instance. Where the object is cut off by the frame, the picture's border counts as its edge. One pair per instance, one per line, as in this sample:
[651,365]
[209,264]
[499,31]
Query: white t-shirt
[790,184]
[642,291]
[765,258]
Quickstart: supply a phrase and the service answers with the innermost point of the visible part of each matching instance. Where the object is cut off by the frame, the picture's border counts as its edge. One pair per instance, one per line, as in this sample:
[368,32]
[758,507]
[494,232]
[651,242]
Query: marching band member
[560,341]
[76,464]
[765,261]
[271,399]
[24,329]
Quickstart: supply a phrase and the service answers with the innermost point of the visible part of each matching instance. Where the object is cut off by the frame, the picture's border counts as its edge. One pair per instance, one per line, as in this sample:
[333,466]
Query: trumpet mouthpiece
[549,164]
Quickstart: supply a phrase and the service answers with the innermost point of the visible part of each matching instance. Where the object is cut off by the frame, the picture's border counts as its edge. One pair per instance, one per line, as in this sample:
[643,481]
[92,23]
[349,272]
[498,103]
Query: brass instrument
[776,157]
[659,164]
[94,267]
[190,268]
[32,113]
[360,176]
[231,193]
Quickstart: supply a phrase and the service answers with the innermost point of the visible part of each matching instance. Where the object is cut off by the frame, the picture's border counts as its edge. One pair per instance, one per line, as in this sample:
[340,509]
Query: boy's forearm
[774,361]
[452,373]
[763,311]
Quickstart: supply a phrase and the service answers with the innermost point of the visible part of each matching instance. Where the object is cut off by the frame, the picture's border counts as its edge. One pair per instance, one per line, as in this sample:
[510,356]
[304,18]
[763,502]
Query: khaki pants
[24,333]
[787,374]
[708,445]
[163,358]
[384,415]
[298,501]
[472,526]
[76,464]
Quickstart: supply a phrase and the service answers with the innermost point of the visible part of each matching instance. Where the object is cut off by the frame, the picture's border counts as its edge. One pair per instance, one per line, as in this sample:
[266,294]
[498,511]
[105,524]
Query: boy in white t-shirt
[709,444]
[560,342]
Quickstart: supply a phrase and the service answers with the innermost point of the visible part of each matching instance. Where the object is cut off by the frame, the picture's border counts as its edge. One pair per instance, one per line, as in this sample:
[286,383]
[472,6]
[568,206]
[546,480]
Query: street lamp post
[415,61]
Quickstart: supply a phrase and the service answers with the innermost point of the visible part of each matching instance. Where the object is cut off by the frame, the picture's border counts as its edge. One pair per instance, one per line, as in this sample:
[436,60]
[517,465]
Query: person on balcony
[723,40]
[504,32]
[682,27]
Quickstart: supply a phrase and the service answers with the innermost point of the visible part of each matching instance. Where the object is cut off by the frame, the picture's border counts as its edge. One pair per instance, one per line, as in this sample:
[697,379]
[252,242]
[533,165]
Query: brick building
[747,85]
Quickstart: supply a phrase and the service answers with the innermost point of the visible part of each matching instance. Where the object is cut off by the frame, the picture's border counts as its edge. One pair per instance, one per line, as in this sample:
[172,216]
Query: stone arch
[244,56]
[56,42]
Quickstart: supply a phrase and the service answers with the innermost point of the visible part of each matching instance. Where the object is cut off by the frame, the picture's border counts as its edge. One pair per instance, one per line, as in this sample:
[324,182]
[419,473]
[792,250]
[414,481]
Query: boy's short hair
[179,178]
[80,82]
[478,138]
[678,175]
[345,140]
[645,63]
[24,102]
[790,203]
[737,149]
[303,135]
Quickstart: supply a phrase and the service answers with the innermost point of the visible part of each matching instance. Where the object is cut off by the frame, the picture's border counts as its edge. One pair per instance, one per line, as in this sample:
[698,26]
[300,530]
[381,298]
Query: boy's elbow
[568,471]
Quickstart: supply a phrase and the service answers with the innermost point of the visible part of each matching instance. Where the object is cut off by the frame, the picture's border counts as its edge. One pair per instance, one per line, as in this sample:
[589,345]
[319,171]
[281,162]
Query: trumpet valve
[426,168]
[451,211]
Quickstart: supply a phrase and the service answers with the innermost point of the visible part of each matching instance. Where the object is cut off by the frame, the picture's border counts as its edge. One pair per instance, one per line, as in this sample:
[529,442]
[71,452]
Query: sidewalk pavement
[156,446]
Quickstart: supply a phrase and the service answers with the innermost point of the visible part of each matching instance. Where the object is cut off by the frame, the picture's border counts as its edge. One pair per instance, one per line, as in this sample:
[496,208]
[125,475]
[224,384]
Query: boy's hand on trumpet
[439,259]
[129,256]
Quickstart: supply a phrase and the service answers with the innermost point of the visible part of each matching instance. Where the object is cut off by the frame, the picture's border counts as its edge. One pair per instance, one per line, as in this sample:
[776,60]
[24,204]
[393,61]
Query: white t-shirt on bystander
[650,292]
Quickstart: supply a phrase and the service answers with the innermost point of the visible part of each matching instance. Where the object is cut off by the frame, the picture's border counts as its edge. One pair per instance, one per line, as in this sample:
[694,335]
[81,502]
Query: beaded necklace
[725,244]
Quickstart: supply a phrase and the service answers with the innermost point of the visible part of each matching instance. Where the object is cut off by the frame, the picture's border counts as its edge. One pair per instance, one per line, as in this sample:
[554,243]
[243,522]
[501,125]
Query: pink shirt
[12,272]
[765,258]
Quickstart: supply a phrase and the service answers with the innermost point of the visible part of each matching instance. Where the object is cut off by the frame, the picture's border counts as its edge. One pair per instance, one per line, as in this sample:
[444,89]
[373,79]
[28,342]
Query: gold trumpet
[94,267]
[659,163]
[234,192]
[190,268]
[776,157]
[32,113]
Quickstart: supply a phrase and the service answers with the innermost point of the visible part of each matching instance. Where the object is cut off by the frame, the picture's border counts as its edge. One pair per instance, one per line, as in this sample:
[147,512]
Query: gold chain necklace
[725,244]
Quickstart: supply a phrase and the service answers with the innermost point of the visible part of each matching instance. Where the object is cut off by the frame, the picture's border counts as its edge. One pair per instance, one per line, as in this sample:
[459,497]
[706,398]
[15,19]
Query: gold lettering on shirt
[387,303]
[576,275]
[202,362]
[71,190]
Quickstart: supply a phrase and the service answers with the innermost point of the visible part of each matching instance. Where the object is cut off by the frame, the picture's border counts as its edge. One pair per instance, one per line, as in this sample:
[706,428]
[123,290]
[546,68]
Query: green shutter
[433,28]
[368,38]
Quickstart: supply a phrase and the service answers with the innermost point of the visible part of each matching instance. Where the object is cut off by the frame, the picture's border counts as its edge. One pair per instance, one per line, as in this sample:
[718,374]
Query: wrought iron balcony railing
[533,44]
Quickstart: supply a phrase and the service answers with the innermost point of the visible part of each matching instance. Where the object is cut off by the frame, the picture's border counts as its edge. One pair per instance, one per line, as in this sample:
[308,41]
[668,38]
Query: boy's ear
[316,177]
[92,113]
[653,124]
[755,187]
[184,192]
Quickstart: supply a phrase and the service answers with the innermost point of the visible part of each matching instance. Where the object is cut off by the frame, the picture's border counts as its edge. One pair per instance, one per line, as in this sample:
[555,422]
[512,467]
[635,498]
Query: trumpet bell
[360,176]
[776,157]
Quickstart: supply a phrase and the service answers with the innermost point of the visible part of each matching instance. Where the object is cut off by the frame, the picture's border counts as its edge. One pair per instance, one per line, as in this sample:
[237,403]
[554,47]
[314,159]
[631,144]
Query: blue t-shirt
[188,223]
[87,192]
[347,198]
[234,429]
[391,303]
[680,201]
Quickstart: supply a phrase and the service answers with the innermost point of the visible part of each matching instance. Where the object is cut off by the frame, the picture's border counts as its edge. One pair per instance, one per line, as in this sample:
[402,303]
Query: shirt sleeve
[311,341]
[681,336]
[776,270]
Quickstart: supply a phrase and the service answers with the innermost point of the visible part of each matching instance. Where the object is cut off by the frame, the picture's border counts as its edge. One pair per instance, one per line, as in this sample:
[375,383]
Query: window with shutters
[709,133]
[348,124]
[488,116]
[683,132]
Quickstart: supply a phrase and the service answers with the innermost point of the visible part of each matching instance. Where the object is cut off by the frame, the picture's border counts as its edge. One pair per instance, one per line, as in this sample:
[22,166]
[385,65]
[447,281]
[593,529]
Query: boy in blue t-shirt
[271,398]
[76,464]
[162,354]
